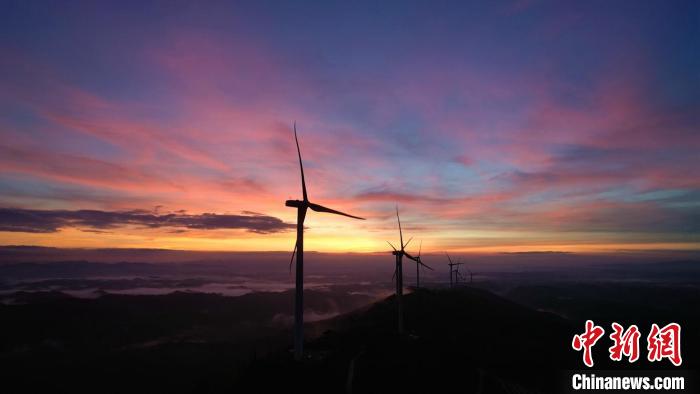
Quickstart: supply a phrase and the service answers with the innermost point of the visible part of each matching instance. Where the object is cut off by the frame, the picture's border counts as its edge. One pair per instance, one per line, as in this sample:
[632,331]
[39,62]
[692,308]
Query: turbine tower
[302,206]
[398,271]
[419,263]
[451,264]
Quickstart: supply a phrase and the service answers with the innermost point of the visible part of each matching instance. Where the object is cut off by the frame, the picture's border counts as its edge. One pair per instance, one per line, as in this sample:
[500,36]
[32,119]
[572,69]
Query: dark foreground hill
[179,342]
[470,340]
[465,341]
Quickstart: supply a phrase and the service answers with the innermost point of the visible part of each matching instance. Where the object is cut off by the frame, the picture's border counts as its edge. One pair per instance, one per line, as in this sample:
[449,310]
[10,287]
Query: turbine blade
[301,166]
[393,276]
[448,257]
[321,208]
[294,252]
[392,246]
[399,220]
[409,241]
[420,247]
[426,266]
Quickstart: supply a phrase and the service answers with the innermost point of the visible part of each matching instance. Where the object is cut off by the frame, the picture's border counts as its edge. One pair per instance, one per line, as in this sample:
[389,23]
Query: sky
[500,126]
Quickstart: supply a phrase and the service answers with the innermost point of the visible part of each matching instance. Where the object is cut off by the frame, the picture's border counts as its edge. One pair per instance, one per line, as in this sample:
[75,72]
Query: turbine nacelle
[296,203]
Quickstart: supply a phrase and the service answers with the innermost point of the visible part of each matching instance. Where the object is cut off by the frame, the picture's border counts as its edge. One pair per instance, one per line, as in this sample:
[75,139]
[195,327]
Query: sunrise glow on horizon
[498,127]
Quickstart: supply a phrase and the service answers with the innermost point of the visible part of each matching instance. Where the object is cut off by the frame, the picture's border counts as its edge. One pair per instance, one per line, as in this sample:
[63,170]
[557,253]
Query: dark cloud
[50,221]
[386,193]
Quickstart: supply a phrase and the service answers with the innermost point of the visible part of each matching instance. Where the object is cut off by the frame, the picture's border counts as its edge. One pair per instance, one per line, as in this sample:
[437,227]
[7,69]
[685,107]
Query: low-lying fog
[92,273]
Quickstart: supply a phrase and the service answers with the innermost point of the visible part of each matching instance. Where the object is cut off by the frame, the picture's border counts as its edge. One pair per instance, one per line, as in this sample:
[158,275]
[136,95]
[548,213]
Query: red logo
[586,341]
[626,343]
[661,343]
[665,343]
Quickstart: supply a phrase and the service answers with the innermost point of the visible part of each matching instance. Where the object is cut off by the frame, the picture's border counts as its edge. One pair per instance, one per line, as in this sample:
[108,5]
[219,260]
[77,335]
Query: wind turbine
[471,275]
[398,271]
[419,262]
[302,206]
[451,264]
[458,275]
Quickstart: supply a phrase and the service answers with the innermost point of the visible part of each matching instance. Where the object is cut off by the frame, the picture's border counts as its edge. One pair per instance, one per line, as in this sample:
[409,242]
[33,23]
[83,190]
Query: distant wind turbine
[419,263]
[452,270]
[458,275]
[302,206]
[398,271]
